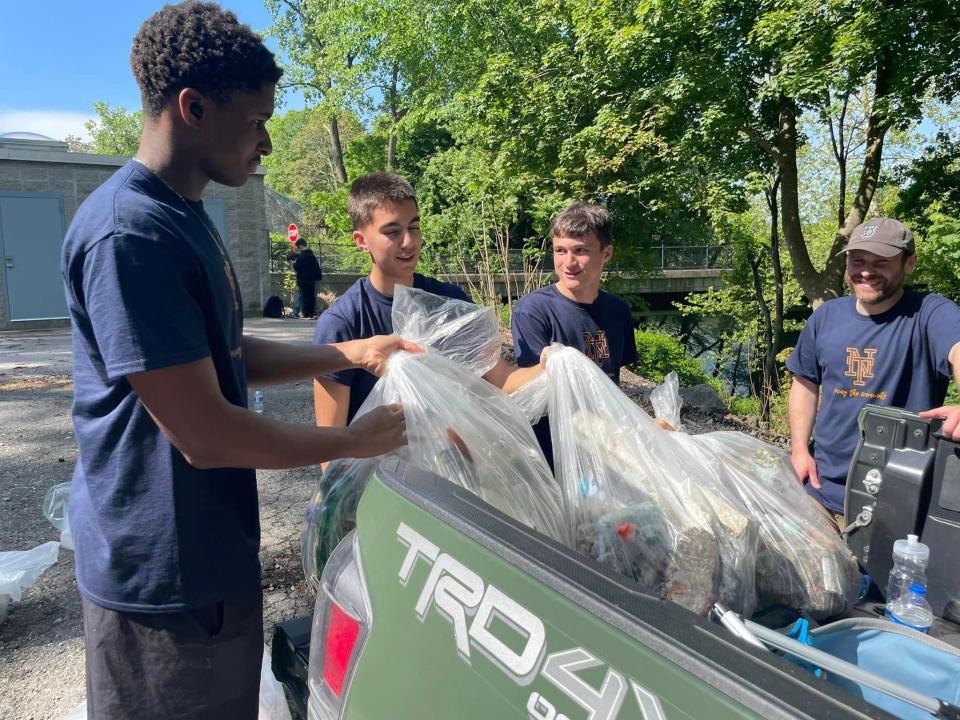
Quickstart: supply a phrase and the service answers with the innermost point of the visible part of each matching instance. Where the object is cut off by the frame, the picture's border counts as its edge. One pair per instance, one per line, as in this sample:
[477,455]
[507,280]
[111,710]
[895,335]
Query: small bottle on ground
[258,401]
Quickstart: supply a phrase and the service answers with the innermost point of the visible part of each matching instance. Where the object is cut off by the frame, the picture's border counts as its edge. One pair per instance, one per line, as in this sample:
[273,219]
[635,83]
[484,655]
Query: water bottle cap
[918,589]
[912,549]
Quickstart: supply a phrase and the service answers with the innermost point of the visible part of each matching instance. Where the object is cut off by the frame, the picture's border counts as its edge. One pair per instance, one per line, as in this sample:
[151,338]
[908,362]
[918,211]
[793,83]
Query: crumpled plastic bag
[55,504]
[801,561]
[460,331]
[19,569]
[636,500]
[531,398]
[273,702]
[666,400]
[458,426]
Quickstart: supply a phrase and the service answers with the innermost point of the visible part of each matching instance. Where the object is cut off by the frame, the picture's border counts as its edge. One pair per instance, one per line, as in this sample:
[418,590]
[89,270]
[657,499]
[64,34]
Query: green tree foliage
[114,131]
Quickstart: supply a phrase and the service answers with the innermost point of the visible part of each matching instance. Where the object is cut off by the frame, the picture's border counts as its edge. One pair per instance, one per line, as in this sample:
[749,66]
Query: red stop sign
[293,233]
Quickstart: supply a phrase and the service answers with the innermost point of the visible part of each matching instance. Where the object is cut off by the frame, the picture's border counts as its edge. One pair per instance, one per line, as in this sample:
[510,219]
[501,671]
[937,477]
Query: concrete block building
[41,187]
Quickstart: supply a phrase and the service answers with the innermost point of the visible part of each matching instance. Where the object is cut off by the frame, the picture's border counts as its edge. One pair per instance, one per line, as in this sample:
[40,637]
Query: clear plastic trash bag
[801,562]
[55,505]
[461,331]
[666,400]
[458,426]
[636,499]
[19,569]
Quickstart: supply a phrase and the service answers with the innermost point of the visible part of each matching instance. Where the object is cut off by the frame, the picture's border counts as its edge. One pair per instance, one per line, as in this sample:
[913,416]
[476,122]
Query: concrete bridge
[676,272]
[661,282]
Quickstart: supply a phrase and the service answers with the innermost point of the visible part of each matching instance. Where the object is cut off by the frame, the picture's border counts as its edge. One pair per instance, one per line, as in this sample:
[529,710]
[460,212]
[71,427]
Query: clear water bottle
[258,401]
[910,558]
[912,609]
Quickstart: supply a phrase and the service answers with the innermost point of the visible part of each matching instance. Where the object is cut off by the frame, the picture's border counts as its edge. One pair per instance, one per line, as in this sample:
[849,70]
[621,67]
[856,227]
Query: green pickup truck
[439,606]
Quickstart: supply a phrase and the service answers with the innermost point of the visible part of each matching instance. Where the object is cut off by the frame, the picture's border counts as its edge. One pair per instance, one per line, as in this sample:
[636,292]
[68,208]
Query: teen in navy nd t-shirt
[363,311]
[897,358]
[149,286]
[601,330]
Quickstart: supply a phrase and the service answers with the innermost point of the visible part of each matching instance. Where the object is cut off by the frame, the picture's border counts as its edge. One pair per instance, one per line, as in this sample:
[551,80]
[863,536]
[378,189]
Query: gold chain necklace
[211,231]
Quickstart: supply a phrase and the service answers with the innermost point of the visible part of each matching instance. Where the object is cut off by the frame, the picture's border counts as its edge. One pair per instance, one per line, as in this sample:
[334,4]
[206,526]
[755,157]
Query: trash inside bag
[55,504]
[273,702]
[458,426]
[19,569]
[636,499]
[801,562]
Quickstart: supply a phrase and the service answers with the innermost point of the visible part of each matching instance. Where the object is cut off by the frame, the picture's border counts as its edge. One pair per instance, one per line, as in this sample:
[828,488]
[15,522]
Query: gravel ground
[41,643]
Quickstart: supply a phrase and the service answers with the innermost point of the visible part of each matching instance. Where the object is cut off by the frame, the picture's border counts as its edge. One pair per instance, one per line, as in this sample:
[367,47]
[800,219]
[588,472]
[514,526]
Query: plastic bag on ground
[637,501]
[19,569]
[458,426]
[273,702]
[801,562]
[666,400]
[55,504]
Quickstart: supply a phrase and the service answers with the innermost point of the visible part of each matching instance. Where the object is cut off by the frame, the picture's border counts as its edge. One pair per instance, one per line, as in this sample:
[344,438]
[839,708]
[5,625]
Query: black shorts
[199,664]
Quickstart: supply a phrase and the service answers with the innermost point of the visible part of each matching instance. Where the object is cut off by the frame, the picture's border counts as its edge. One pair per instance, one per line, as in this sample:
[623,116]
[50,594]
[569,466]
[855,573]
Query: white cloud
[56,124]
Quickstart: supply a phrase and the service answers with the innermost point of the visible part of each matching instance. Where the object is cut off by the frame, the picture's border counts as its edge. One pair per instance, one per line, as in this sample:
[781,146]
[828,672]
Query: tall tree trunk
[763,392]
[840,154]
[392,137]
[333,128]
[819,286]
[777,267]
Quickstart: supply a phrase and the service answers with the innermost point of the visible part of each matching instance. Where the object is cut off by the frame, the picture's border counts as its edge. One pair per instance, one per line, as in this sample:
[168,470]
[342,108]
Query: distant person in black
[308,274]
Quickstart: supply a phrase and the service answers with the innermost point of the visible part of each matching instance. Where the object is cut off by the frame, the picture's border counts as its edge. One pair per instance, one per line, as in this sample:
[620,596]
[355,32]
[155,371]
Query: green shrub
[659,353]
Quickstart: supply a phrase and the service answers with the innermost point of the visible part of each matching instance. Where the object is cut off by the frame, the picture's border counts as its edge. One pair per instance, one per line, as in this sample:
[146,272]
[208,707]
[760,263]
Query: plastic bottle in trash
[258,401]
[910,558]
[912,609]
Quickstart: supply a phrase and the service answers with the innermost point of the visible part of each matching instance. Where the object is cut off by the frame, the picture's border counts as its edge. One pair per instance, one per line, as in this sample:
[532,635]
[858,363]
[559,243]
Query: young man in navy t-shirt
[882,345]
[386,224]
[574,311]
[163,507]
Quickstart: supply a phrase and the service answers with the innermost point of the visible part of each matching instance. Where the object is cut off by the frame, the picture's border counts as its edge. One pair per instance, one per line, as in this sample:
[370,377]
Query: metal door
[31,237]
[217,210]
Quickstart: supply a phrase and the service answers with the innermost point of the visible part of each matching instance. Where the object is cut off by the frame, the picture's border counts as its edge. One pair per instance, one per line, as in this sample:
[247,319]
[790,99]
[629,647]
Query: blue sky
[57,57]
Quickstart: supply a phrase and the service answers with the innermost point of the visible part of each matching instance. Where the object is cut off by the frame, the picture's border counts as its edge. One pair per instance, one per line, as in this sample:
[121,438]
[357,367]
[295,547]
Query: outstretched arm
[186,403]
[271,363]
[950,413]
[802,411]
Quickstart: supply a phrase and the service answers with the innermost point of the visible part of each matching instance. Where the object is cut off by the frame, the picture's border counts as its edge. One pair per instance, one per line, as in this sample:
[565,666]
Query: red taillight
[342,633]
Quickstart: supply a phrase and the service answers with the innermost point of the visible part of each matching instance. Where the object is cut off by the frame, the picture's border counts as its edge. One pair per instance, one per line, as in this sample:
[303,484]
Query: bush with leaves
[658,353]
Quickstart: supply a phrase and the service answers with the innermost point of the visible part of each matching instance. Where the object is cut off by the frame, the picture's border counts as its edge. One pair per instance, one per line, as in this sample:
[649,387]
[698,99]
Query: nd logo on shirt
[595,346]
[860,367]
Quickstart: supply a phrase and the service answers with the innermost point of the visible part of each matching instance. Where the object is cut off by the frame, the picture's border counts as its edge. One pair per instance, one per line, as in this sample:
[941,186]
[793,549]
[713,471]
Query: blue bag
[896,653]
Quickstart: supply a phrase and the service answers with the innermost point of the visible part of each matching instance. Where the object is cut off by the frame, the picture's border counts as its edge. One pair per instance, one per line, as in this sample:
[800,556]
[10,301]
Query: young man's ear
[190,104]
[606,254]
[911,263]
[360,241]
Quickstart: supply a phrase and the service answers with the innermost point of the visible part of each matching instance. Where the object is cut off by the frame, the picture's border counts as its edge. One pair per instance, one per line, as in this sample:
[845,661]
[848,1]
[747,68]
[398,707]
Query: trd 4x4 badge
[462,597]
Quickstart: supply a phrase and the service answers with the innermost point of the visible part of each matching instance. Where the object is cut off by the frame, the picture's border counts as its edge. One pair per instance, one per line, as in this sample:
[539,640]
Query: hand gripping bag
[458,426]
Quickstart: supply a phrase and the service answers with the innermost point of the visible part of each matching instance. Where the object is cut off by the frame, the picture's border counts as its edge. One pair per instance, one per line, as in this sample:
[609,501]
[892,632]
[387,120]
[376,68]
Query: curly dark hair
[198,45]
